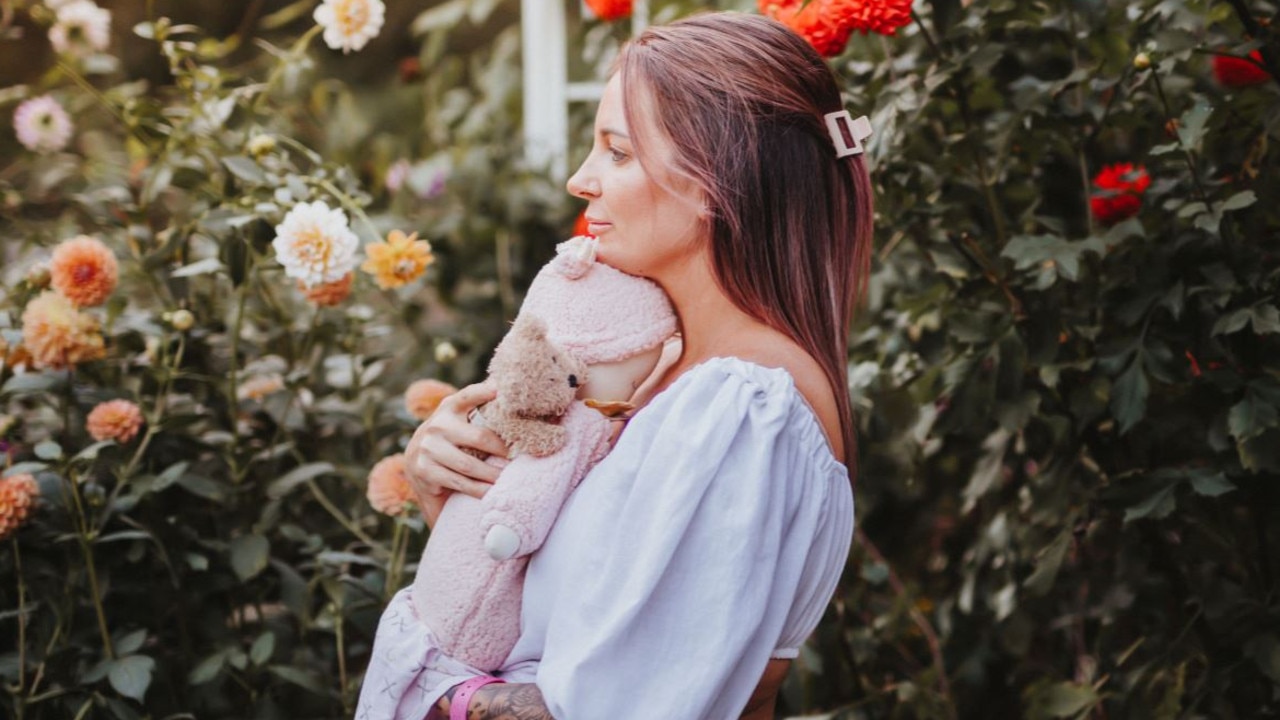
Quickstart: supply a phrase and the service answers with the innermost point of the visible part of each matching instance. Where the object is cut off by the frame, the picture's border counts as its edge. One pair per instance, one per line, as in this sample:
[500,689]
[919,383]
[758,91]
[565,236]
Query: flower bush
[211,306]
[282,241]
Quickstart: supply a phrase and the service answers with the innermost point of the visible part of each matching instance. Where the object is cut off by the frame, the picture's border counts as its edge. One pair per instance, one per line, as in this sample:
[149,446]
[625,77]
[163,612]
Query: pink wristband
[462,696]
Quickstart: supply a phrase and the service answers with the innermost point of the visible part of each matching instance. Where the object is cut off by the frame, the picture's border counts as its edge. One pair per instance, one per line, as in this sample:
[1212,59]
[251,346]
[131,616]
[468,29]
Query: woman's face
[647,225]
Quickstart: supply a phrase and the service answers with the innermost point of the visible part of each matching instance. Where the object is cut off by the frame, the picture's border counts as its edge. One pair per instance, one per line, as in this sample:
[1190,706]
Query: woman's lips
[595,227]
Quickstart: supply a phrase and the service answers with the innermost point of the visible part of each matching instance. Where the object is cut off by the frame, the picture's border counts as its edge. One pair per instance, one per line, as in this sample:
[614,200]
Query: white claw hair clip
[847,133]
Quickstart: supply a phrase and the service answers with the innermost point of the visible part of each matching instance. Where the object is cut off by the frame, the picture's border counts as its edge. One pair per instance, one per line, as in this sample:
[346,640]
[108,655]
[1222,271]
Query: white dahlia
[81,27]
[42,125]
[350,24]
[314,244]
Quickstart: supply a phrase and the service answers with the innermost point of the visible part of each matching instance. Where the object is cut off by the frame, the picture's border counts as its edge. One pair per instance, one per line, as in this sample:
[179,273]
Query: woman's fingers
[436,460]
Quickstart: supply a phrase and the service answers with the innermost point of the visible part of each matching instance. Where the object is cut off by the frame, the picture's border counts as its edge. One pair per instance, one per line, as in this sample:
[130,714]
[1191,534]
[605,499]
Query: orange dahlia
[118,420]
[57,335]
[389,492]
[84,271]
[424,396]
[18,494]
[328,294]
[1121,188]
[399,260]
[827,24]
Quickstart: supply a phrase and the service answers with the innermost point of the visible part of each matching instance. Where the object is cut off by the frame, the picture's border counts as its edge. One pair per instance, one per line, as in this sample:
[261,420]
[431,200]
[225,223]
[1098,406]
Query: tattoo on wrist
[516,701]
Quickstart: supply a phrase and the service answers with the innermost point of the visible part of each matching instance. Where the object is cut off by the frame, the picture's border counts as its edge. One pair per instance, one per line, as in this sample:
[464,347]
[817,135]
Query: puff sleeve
[710,537]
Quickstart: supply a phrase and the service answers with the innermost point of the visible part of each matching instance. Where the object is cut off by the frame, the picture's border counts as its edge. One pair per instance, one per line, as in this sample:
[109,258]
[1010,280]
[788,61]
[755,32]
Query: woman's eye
[617,155]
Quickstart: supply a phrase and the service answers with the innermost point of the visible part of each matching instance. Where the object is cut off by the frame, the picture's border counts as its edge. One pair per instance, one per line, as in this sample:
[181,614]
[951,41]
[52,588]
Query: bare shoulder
[775,350]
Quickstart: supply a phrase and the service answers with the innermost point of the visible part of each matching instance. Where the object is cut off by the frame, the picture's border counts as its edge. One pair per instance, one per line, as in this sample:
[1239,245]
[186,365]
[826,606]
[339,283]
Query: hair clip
[848,135]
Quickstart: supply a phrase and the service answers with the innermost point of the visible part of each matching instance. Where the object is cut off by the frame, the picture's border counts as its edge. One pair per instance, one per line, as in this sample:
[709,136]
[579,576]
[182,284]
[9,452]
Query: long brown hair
[742,99]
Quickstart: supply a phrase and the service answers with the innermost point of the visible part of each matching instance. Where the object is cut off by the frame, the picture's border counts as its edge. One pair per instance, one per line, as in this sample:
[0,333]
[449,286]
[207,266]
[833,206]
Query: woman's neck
[711,324]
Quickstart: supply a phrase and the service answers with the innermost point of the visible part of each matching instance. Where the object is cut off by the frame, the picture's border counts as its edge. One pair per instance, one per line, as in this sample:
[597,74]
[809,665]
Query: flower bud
[182,320]
[260,145]
[1141,61]
[446,352]
[38,276]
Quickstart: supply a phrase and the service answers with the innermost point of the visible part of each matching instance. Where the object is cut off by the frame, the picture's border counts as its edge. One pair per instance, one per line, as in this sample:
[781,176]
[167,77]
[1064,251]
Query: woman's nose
[582,185]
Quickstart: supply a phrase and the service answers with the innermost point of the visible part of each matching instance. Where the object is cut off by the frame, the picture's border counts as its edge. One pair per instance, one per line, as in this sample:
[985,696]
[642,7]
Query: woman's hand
[435,462]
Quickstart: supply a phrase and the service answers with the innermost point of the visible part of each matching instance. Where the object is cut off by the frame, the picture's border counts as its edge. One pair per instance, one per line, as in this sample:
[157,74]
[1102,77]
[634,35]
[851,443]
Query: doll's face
[617,381]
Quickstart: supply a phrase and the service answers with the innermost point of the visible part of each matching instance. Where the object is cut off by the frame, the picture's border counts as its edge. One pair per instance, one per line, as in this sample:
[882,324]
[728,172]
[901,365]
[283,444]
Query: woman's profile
[691,563]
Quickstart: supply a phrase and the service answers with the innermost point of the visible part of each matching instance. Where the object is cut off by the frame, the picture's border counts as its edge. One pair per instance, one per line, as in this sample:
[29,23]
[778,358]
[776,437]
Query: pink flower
[118,420]
[389,491]
[18,494]
[42,125]
[424,396]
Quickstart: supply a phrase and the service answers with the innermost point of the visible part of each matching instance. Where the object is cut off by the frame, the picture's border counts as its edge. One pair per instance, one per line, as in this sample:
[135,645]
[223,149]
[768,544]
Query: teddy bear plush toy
[586,336]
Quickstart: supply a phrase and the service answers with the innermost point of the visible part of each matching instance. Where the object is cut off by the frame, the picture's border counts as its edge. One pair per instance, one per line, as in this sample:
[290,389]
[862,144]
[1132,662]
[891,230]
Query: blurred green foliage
[1068,483]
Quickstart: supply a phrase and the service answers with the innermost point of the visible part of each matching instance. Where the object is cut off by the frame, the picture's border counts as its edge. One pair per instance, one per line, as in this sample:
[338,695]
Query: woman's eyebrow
[615,133]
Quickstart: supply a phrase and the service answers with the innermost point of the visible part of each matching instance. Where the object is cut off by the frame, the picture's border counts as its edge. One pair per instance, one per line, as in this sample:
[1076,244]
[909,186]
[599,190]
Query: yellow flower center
[405,268]
[314,246]
[351,15]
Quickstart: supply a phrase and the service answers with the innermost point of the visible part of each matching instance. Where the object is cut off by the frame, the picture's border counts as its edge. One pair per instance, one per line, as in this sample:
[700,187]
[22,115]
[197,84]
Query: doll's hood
[596,312]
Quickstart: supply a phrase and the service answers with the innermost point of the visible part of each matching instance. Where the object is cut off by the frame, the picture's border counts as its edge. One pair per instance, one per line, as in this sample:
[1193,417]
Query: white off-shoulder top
[709,540]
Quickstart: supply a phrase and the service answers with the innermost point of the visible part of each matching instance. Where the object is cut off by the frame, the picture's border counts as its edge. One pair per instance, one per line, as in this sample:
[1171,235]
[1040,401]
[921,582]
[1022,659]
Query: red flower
[827,24]
[610,10]
[580,226]
[1122,186]
[1238,72]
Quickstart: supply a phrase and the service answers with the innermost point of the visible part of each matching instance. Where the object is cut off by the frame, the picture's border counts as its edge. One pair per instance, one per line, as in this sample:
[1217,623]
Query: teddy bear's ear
[530,326]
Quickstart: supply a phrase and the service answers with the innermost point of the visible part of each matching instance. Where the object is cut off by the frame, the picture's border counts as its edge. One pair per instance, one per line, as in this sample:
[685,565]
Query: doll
[585,338]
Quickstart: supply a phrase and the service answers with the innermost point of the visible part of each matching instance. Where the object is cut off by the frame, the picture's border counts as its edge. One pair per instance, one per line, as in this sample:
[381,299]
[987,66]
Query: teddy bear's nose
[573,381]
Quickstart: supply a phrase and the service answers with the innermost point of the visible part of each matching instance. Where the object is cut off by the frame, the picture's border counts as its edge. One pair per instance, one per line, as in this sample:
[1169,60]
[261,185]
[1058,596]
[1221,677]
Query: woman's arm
[501,701]
[523,701]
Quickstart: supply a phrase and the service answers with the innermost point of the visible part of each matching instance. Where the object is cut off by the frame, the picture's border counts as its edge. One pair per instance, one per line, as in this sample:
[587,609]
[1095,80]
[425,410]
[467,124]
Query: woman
[691,563]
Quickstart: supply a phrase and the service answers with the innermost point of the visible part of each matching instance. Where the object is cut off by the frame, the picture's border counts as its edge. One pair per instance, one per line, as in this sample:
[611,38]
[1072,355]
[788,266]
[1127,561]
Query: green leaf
[1067,699]
[48,450]
[91,452]
[1048,563]
[1129,396]
[444,15]
[1240,200]
[1158,505]
[131,676]
[207,669]
[1211,484]
[199,267]
[1265,319]
[262,648]
[1251,417]
[33,382]
[245,169]
[1234,322]
[282,485]
[1191,127]
[204,487]
[249,555]
[300,678]
[130,643]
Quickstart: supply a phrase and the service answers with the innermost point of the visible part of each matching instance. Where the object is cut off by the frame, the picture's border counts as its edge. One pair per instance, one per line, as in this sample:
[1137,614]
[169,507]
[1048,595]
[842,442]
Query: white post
[547,90]
[546,106]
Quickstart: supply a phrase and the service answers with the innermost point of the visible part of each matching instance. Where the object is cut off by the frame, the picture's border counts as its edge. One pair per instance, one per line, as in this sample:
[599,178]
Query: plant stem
[925,627]
[342,658]
[961,94]
[351,205]
[233,397]
[87,549]
[19,703]
[337,514]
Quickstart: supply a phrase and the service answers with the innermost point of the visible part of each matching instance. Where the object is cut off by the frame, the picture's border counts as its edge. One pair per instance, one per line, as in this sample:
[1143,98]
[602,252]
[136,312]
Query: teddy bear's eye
[573,381]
